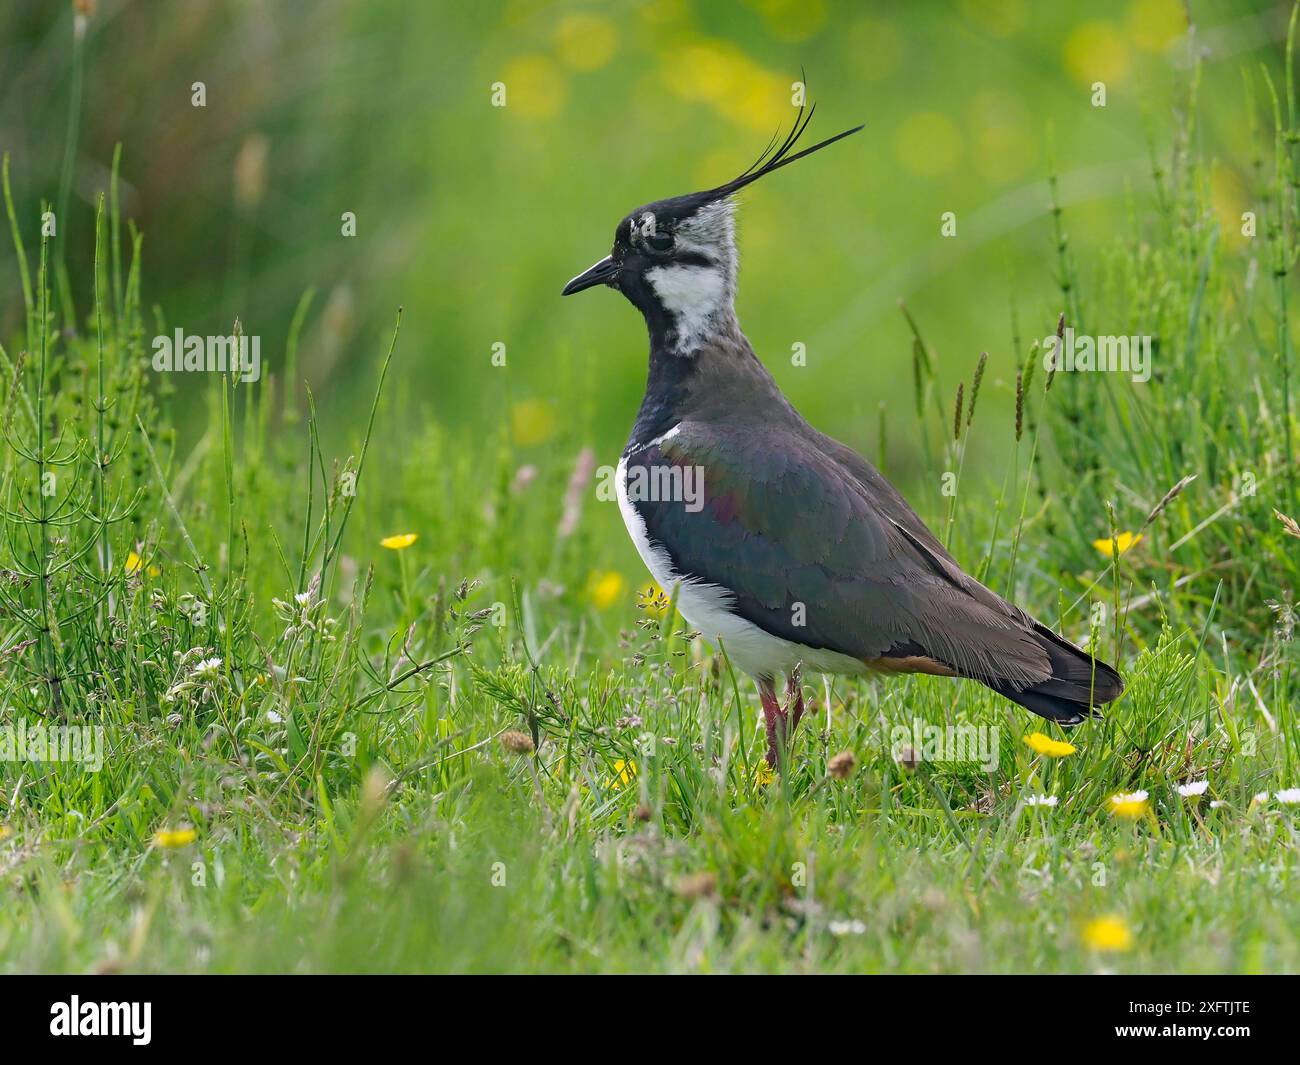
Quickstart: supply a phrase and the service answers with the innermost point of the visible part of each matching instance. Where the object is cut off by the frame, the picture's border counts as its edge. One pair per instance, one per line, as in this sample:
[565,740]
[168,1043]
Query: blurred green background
[472,216]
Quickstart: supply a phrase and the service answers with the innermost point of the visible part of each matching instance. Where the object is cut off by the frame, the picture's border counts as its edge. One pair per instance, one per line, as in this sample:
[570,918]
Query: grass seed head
[1290,524]
[975,386]
[1020,404]
[1169,497]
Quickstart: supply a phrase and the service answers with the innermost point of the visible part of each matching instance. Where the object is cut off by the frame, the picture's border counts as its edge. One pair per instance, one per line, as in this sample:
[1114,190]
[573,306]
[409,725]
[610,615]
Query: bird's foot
[781,721]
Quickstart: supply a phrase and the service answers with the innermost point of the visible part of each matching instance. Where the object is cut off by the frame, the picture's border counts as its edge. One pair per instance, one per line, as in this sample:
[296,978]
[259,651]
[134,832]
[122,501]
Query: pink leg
[775,719]
[781,721]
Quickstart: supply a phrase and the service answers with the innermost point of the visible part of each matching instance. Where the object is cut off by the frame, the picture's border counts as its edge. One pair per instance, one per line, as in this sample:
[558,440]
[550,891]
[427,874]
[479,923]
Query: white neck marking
[698,298]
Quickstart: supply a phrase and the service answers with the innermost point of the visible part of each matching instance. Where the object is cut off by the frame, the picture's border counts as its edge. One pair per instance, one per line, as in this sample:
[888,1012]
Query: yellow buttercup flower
[763,775]
[605,589]
[175,837]
[1130,806]
[135,564]
[623,774]
[1122,541]
[5,832]
[1048,746]
[400,542]
[1108,933]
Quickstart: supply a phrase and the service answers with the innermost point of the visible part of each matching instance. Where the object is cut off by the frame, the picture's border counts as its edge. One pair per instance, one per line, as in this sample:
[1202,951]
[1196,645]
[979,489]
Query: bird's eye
[660,241]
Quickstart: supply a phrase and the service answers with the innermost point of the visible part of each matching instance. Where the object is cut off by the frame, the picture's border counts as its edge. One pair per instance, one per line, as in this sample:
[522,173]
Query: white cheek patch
[694,295]
[711,231]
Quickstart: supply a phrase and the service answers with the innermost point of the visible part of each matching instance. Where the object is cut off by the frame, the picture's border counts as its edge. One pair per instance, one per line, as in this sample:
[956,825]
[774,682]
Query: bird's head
[676,260]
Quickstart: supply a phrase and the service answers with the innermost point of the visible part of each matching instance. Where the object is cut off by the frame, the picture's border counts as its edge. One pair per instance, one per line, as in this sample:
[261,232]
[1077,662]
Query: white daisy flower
[1290,796]
[1123,800]
[1261,796]
[847,928]
[208,667]
[1217,804]
[1196,787]
[1041,800]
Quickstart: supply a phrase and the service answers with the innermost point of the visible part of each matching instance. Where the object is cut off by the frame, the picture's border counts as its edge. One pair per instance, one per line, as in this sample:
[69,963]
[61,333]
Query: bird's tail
[1079,683]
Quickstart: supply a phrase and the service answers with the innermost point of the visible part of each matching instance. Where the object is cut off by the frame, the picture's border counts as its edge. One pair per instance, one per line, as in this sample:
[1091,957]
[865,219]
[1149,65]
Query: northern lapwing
[784,546]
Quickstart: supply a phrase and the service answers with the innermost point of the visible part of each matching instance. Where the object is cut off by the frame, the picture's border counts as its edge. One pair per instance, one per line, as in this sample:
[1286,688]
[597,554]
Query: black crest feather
[770,160]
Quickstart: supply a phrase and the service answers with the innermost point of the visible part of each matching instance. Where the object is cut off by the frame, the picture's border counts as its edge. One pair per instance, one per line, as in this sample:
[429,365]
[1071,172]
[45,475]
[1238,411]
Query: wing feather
[786,520]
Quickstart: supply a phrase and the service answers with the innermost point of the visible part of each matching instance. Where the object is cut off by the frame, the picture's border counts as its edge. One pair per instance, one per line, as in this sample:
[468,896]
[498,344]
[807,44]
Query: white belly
[707,607]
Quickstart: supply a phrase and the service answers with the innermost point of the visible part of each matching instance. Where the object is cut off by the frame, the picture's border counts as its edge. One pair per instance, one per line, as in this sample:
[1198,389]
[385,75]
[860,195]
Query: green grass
[342,768]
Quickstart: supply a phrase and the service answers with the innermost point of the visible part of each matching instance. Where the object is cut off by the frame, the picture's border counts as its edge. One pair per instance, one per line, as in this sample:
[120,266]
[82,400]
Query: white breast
[707,607]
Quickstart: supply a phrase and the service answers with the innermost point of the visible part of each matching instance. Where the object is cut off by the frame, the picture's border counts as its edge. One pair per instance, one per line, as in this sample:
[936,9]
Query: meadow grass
[477,752]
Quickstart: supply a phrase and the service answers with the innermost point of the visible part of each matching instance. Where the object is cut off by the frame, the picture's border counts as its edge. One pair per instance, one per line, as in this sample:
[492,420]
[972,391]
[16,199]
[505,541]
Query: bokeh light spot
[1096,51]
[585,40]
[927,143]
[535,86]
